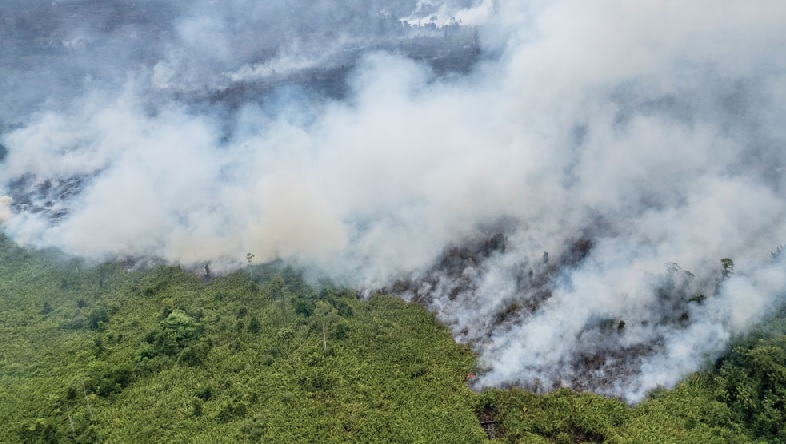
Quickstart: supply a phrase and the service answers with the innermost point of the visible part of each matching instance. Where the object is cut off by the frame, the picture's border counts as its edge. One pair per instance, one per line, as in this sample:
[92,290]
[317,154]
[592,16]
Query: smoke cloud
[5,211]
[435,149]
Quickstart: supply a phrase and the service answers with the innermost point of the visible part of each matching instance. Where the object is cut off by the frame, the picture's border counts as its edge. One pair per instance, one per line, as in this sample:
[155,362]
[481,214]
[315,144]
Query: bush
[752,380]
[108,379]
[40,430]
[176,332]
[253,325]
[230,410]
[97,318]
[178,336]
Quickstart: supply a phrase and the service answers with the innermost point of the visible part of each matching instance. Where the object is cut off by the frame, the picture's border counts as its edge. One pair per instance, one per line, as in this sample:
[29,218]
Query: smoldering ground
[637,144]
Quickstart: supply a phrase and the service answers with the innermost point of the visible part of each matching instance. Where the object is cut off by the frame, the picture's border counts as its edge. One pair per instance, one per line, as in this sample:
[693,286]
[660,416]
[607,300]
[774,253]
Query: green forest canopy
[102,354]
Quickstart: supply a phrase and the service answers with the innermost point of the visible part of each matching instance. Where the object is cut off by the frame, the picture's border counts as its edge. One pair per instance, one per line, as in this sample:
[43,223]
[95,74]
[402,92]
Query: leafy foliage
[160,356]
[101,354]
[752,380]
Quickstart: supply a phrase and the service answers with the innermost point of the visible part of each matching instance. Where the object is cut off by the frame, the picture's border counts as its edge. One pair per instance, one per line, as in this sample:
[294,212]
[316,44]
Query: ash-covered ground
[609,350]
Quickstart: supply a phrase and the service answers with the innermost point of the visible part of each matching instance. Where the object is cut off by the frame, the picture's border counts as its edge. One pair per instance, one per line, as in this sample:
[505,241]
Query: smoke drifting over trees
[619,137]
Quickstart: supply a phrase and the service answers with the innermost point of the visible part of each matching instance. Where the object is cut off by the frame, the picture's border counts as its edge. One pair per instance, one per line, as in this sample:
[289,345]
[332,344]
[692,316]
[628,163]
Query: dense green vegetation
[102,354]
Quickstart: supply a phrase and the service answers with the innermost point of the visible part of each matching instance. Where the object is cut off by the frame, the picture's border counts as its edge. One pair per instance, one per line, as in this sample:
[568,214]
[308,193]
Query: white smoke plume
[617,136]
[5,208]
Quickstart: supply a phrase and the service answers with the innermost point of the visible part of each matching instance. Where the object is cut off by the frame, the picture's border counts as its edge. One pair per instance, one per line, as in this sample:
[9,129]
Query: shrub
[253,325]
[179,336]
[97,318]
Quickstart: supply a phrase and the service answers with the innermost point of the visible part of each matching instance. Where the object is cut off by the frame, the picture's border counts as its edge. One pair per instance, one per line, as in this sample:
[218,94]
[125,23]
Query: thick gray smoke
[385,144]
